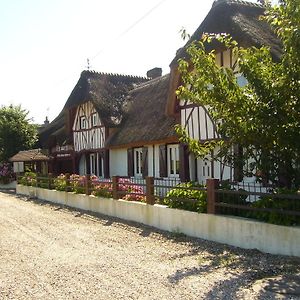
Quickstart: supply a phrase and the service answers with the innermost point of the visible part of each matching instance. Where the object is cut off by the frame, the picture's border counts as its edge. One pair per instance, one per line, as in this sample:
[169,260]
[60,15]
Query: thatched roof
[29,155]
[241,20]
[145,120]
[106,91]
[55,131]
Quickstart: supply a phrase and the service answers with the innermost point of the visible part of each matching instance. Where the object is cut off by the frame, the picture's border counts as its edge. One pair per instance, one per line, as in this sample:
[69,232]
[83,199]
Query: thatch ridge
[241,19]
[30,155]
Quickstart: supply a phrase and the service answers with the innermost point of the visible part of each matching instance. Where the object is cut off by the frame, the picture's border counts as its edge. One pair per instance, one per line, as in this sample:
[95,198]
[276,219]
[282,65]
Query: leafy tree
[264,115]
[16,132]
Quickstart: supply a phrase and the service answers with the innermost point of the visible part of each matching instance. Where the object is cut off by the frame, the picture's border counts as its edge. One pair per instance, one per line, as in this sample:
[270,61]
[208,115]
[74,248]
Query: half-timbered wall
[88,130]
[200,126]
[202,169]
[197,122]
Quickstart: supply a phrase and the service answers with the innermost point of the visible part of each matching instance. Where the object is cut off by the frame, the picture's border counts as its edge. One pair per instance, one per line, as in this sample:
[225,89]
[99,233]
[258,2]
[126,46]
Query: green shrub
[29,179]
[60,183]
[277,203]
[77,183]
[232,198]
[187,198]
[101,189]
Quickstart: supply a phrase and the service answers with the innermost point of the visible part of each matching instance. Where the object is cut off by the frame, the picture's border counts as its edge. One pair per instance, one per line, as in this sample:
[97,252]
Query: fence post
[115,182]
[150,199]
[87,184]
[50,178]
[211,184]
[67,179]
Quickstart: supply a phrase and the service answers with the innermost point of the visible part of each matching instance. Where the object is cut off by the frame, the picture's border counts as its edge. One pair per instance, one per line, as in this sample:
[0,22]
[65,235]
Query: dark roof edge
[150,82]
[242,2]
[100,74]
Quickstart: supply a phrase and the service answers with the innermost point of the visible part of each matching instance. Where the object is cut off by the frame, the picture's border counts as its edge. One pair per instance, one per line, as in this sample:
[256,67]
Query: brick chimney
[154,73]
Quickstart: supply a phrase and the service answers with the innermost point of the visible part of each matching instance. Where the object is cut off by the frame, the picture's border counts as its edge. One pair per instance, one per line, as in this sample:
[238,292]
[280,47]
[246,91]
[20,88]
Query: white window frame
[173,160]
[100,164]
[138,162]
[83,122]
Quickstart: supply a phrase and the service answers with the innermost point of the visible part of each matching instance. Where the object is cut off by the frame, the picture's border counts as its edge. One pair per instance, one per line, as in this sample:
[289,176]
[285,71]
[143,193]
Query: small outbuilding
[33,160]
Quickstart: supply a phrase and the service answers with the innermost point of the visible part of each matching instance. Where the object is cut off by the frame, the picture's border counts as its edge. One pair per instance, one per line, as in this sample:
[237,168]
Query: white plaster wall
[118,162]
[234,231]
[151,160]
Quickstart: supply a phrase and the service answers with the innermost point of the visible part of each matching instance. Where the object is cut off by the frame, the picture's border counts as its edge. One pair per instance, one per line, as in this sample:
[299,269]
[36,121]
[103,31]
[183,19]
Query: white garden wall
[229,230]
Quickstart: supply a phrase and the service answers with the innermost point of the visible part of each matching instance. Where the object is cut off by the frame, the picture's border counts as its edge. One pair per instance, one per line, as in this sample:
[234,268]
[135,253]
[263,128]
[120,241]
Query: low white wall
[8,186]
[229,230]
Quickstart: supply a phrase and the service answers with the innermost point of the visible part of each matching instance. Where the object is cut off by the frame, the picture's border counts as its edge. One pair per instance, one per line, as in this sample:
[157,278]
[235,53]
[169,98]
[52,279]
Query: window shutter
[106,163]
[238,163]
[163,161]
[145,162]
[130,171]
[184,173]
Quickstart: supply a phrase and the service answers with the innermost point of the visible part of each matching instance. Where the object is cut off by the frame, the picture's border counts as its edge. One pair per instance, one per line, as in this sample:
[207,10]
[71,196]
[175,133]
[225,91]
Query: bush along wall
[188,196]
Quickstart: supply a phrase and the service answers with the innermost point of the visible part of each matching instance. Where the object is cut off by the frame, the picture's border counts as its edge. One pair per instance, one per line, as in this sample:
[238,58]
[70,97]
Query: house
[35,160]
[241,20]
[123,125]
[146,139]
[76,139]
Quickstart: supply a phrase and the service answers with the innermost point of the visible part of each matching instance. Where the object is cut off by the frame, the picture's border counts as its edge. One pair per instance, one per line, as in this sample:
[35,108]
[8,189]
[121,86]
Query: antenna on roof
[88,64]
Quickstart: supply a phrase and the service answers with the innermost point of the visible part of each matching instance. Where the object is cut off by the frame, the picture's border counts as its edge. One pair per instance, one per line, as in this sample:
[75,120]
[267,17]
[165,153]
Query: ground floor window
[138,161]
[96,164]
[173,160]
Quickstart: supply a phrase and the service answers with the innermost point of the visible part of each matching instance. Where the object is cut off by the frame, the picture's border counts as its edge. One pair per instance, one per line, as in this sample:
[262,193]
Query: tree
[16,131]
[263,117]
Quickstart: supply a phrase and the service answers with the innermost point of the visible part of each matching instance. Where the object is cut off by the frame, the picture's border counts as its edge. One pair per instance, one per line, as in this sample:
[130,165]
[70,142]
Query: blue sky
[45,44]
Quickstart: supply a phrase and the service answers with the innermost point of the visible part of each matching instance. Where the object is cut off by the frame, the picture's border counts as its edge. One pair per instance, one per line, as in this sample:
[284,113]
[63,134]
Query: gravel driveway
[52,252]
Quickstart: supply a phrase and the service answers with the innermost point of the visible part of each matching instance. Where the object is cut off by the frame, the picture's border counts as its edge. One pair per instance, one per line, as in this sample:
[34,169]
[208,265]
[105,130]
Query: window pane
[176,160]
[141,162]
[171,162]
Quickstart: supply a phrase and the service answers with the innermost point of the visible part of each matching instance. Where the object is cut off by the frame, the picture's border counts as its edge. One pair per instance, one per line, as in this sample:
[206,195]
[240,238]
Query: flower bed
[6,173]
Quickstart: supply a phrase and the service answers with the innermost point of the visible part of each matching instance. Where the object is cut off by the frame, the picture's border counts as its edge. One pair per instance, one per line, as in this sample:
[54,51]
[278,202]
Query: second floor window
[94,119]
[83,123]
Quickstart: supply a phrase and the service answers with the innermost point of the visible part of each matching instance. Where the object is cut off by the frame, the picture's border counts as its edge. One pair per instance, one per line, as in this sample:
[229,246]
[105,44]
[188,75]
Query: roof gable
[240,19]
[107,92]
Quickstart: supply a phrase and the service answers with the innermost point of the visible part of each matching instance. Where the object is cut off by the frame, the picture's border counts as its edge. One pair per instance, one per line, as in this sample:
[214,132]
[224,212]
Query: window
[173,160]
[83,124]
[138,162]
[96,164]
[241,80]
[206,170]
[100,171]
[94,119]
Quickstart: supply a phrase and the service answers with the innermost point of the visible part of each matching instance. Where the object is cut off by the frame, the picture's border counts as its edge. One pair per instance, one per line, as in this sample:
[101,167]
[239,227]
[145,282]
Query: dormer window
[83,123]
